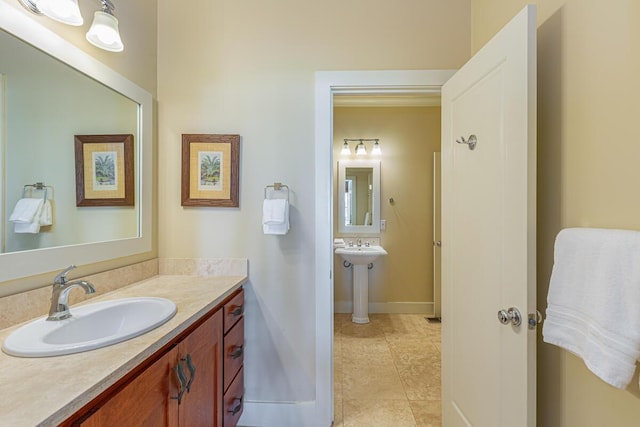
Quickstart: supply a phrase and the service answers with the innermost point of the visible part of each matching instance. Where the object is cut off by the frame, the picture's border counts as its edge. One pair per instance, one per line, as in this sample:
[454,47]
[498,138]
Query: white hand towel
[275,216]
[339,243]
[26,210]
[594,300]
[32,227]
[46,216]
[27,227]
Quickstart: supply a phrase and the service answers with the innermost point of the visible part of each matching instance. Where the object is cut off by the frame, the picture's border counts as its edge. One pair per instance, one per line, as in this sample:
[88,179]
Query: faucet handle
[61,278]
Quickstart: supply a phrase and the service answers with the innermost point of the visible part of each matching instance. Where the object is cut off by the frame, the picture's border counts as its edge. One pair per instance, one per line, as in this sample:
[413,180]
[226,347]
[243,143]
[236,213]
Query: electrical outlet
[383,224]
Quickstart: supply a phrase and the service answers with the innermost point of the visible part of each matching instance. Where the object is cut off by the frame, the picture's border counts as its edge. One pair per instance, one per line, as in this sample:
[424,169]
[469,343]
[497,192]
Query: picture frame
[104,170]
[210,170]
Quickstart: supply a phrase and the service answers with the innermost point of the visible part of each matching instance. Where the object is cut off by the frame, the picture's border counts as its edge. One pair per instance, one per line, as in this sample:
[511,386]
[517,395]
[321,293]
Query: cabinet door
[202,404]
[145,401]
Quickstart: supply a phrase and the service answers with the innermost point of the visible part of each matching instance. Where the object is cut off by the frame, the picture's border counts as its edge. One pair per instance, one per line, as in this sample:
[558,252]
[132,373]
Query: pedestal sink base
[360,294]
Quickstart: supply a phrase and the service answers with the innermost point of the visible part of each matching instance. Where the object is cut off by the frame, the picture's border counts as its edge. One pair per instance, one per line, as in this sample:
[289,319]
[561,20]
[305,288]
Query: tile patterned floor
[387,372]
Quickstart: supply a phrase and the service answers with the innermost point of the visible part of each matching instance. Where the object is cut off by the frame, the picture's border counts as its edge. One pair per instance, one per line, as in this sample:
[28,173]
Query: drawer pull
[237,311]
[192,371]
[182,379]
[236,408]
[237,353]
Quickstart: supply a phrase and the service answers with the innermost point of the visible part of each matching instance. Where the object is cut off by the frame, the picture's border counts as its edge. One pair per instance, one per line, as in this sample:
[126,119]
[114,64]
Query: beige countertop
[46,391]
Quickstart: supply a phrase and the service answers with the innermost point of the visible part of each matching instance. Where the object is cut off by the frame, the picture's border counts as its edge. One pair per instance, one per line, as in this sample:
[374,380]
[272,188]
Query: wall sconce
[361,150]
[104,31]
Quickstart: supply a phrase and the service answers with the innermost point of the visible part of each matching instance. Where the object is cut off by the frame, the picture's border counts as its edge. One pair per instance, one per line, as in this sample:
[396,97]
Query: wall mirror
[359,196]
[50,91]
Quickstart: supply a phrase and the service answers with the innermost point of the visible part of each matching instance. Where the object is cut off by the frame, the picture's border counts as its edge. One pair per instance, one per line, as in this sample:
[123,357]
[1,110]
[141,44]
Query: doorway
[327,85]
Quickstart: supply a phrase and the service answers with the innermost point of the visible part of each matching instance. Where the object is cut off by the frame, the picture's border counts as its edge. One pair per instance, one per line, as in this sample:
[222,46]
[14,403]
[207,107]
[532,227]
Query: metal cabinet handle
[182,380]
[512,315]
[192,371]
[235,354]
[236,408]
[237,311]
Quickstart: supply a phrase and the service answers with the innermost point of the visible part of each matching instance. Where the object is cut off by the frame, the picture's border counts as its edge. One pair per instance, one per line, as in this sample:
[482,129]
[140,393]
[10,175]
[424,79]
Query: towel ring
[277,186]
[36,186]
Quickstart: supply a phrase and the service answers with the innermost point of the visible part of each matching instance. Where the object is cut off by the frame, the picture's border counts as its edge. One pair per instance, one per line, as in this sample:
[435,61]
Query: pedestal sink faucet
[60,297]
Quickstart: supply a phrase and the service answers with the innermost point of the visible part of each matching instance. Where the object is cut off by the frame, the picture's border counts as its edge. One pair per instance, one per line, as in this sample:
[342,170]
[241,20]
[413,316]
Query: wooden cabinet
[233,360]
[184,384]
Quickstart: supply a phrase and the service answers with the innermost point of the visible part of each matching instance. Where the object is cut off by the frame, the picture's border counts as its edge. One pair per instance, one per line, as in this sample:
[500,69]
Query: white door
[489,232]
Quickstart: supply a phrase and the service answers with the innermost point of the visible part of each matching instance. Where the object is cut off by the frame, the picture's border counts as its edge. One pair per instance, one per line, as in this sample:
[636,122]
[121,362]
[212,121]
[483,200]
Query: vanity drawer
[233,402]
[233,352]
[233,311]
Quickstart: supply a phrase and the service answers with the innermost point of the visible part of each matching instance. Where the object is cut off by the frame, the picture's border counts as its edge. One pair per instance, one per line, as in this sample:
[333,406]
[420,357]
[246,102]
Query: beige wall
[408,138]
[138,28]
[248,68]
[588,174]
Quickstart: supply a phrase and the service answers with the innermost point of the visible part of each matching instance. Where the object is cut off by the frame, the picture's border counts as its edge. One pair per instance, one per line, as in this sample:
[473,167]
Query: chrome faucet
[359,243]
[60,297]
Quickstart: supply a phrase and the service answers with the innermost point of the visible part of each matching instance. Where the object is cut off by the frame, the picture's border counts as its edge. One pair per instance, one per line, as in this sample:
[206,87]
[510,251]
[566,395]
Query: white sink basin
[91,326]
[361,255]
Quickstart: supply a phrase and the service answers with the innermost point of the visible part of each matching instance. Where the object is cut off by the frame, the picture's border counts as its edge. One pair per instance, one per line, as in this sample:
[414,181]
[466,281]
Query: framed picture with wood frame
[210,170]
[104,170]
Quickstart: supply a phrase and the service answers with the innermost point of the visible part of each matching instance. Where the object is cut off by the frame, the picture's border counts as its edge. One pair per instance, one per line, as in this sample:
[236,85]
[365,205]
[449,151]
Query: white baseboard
[282,414]
[388,307]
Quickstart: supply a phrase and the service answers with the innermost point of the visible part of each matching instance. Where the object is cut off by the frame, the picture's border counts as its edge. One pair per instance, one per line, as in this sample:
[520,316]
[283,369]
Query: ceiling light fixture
[104,32]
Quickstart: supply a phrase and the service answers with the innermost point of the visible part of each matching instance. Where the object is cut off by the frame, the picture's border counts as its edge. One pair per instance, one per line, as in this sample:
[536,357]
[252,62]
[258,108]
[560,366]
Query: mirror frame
[14,265]
[374,228]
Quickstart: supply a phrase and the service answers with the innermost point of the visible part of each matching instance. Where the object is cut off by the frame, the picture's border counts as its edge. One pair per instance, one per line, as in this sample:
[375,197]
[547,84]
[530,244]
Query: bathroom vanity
[188,371]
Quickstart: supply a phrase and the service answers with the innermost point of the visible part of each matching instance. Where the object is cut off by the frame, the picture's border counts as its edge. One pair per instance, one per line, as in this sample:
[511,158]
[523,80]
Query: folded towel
[339,243]
[273,211]
[275,216]
[42,217]
[594,300]
[46,217]
[26,209]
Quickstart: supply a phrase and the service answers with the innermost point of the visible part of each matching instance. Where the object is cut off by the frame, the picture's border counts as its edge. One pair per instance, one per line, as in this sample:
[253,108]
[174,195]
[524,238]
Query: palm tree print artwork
[105,170]
[209,170]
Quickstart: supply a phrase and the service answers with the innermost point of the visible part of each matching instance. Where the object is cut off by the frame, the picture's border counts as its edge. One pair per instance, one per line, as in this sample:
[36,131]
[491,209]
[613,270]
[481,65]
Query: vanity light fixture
[376,148]
[65,11]
[345,149]
[361,150]
[104,31]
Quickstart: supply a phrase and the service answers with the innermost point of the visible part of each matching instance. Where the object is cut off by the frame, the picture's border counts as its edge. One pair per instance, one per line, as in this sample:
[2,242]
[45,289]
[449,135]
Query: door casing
[329,83]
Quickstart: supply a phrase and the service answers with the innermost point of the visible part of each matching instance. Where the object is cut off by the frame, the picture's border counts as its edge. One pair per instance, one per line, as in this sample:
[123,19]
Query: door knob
[512,315]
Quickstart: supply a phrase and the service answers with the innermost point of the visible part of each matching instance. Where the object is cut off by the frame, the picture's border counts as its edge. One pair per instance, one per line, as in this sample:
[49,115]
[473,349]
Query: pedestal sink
[361,257]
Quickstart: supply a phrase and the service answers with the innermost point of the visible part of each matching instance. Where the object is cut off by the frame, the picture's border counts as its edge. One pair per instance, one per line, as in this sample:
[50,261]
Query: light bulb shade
[361,150]
[65,11]
[345,149]
[104,32]
[376,149]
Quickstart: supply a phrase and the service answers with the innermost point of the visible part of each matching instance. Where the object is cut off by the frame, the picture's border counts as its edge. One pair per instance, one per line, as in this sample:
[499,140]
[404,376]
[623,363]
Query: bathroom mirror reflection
[75,95]
[46,103]
[359,196]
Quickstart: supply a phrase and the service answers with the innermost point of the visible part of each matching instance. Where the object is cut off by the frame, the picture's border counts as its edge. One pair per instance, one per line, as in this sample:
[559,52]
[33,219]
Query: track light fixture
[104,32]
